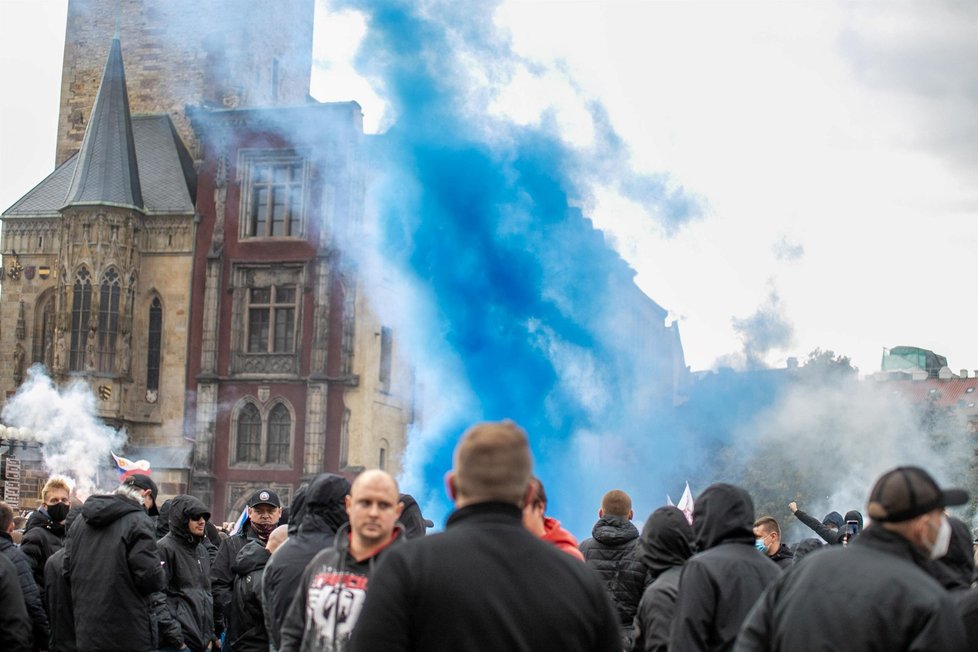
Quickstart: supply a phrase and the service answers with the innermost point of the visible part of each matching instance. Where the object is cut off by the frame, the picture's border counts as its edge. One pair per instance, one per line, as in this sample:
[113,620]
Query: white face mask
[943,541]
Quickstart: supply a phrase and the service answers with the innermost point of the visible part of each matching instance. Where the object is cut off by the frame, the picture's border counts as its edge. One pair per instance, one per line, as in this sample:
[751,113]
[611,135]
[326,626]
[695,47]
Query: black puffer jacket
[246,621]
[323,514]
[666,544]
[187,569]
[719,585]
[222,572]
[42,538]
[890,602]
[113,568]
[15,625]
[32,594]
[612,552]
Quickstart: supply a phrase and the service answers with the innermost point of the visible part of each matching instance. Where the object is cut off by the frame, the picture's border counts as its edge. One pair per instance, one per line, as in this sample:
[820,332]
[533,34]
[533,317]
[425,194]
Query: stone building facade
[148,265]
[288,370]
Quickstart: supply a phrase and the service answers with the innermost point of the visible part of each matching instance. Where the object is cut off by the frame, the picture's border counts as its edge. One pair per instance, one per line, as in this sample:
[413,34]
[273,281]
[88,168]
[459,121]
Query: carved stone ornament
[19,356]
[21,331]
[263,394]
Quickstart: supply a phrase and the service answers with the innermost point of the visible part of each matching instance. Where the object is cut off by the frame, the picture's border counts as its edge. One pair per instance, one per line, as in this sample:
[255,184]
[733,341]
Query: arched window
[249,435]
[81,307]
[108,320]
[279,435]
[154,345]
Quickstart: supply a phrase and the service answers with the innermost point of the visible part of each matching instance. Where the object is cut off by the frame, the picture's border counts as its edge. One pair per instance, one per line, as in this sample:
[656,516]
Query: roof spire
[118,18]
[106,171]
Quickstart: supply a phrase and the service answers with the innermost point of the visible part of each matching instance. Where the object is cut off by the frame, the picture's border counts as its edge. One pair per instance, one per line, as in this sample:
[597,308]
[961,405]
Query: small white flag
[686,504]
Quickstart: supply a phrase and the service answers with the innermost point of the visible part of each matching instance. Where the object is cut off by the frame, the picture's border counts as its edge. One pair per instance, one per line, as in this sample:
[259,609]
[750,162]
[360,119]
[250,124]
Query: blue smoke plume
[526,295]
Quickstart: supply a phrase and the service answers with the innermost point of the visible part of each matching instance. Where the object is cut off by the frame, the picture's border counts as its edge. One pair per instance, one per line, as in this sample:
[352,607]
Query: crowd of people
[348,566]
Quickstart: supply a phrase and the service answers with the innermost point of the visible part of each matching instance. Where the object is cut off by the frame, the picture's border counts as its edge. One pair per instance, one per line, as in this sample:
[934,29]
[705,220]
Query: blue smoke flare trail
[526,295]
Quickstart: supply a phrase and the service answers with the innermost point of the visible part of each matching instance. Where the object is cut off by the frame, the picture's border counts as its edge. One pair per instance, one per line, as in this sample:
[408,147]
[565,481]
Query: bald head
[492,463]
[377,479]
[277,538]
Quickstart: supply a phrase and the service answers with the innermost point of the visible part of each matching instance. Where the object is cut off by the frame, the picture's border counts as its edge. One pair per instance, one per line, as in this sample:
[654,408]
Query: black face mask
[57,512]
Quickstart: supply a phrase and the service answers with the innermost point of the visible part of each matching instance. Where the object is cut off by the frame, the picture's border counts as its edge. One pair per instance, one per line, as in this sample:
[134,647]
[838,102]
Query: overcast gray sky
[832,143]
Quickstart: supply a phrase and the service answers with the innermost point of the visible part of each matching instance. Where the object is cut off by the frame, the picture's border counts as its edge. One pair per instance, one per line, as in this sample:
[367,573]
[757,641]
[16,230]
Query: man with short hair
[113,569]
[877,593]
[767,539]
[612,552]
[719,584]
[264,511]
[546,527]
[486,583]
[45,530]
[334,584]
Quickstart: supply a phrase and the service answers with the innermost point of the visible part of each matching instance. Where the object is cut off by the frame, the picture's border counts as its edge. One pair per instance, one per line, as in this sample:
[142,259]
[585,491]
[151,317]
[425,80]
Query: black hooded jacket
[113,568]
[665,545]
[29,588]
[411,518]
[42,538]
[720,584]
[611,551]
[187,569]
[322,515]
[886,601]
[246,620]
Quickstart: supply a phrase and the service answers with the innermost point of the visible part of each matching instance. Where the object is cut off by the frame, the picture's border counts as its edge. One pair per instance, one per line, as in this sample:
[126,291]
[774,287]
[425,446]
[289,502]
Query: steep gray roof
[106,171]
[166,174]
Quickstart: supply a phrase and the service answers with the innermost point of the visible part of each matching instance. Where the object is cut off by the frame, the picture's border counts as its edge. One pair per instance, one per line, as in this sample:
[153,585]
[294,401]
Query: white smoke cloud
[63,420]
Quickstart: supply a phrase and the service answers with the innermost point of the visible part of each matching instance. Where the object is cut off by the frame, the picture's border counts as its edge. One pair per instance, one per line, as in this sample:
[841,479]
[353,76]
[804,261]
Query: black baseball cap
[264,497]
[144,482]
[907,492]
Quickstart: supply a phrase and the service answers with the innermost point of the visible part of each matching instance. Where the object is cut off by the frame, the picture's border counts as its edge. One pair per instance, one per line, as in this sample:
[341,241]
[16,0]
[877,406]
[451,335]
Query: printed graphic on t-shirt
[334,604]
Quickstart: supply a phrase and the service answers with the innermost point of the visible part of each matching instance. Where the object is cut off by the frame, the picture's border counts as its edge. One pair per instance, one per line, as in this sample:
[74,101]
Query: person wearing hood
[665,545]
[44,533]
[186,566]
[720,584]
[832,527]
[334,585]
[545,527]
[955,571]
[57,597]
[264,511]
[415,525]
[113,569]
[877,593]
[611,551]
[323,513]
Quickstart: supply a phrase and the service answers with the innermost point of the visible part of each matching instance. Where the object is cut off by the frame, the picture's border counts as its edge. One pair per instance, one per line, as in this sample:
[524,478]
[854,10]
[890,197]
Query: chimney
[964,373]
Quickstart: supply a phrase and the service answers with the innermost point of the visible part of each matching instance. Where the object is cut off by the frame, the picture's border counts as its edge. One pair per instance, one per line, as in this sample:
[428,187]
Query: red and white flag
[686,504]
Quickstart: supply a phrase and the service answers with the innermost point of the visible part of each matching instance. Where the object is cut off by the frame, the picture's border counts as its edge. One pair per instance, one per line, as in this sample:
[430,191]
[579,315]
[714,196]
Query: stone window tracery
[81,306]
[108,320]
[262,438]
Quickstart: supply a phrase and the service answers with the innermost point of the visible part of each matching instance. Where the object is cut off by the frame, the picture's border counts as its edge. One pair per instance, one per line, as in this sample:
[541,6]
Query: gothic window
[262,438]
[249,435]
[274,205]
[271,319]
[44,329]
[279,435]
[154,345]
[108,320]
[81,307]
